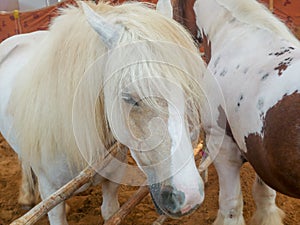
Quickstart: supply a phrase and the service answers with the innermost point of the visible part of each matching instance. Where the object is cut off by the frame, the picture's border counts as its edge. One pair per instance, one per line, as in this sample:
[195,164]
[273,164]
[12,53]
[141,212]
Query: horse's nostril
[172,199]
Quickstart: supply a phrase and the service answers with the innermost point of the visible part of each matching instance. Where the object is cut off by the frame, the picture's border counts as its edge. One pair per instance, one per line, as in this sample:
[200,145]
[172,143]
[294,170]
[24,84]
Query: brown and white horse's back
[276,155]
[274,152]
[263,107]
[257,64]
[255,60]
[258,68]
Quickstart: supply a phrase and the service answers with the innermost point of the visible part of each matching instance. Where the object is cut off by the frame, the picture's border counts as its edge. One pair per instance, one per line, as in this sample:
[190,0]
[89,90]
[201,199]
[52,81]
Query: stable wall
[18,22]
[288,11]
[25,5]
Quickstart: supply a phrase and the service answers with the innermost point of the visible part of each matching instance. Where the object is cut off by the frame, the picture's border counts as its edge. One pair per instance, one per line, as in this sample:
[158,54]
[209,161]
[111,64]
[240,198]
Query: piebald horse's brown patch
[185,15]
[207,47]
[276,155]
[281,67]
[223,123]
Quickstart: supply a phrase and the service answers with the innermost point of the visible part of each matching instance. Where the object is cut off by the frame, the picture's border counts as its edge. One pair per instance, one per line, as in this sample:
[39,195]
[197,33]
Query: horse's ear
[165,8]
[109,32]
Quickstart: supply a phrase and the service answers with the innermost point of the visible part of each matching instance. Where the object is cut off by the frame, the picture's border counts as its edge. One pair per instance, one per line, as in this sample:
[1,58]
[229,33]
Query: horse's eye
[129,99]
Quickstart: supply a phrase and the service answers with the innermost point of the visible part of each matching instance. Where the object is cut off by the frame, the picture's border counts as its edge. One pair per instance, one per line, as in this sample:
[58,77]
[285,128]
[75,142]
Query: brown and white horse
[255,61]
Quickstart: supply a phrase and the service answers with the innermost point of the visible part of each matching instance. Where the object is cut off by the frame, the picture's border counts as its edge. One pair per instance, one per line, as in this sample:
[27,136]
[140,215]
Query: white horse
[100,74]
[255,61]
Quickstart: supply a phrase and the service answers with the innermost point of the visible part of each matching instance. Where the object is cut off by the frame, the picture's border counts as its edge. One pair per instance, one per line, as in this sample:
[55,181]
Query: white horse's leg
[56,216]
[228,163]
[110,202]
[266,210]
[29,194]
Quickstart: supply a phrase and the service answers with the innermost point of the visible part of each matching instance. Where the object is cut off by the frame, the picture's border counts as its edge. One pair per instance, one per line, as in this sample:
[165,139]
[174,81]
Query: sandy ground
[85,207]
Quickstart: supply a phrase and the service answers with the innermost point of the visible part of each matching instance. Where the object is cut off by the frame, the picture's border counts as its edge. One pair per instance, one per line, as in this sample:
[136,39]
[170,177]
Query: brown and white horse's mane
[256,14]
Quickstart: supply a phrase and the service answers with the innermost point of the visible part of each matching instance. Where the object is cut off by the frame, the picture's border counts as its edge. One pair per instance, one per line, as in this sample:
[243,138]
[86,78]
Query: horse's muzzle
[170,201]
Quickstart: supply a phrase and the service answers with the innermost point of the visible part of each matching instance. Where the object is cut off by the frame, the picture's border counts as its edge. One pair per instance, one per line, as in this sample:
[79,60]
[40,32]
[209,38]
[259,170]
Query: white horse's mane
[254,13]
[41,103]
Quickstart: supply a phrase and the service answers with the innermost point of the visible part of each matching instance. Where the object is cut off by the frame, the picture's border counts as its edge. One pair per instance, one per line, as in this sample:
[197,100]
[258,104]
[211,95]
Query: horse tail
[29,193]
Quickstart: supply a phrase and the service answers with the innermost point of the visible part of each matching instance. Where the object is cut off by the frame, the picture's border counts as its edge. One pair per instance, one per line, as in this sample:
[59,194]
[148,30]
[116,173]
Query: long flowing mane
[41,103]
[256,14]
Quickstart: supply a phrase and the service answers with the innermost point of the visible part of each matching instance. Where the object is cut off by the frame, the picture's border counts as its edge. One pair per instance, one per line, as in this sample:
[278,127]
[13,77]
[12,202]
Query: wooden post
[160,220]
[65,192]
[271,5]
[125,209]
[84,177]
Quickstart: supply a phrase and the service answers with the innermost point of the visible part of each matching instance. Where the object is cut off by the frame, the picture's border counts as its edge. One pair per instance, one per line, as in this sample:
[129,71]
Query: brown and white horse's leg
[228,163]
[29,193]
[266,210]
